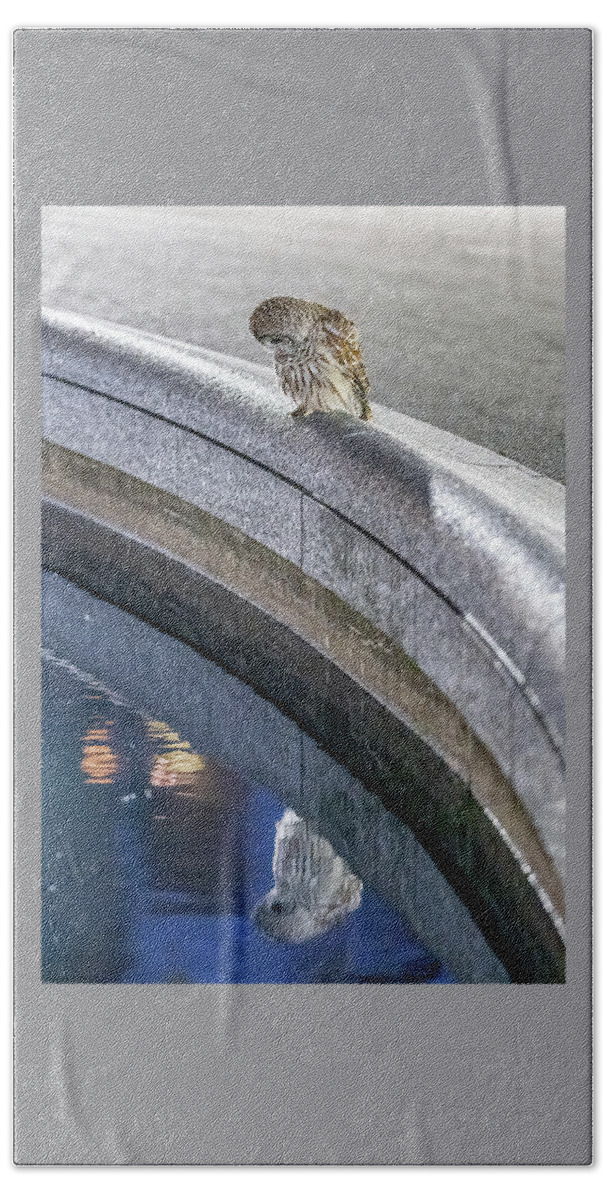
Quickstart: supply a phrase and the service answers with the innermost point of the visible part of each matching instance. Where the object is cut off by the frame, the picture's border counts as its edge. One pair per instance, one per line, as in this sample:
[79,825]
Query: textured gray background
[302,1074]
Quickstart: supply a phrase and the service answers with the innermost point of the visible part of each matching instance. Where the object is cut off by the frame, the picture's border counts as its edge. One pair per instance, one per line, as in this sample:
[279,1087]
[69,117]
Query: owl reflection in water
[313,887]
[317,355]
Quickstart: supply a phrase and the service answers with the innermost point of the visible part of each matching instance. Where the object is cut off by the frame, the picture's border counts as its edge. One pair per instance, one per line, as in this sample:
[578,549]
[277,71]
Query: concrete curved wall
[453,552]
[242,730]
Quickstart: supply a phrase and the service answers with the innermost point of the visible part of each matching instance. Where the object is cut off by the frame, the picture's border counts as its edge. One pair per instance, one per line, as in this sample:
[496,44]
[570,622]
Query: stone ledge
[453,552]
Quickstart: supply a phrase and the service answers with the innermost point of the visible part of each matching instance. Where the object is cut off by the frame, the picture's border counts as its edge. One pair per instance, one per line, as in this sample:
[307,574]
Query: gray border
[475,1074]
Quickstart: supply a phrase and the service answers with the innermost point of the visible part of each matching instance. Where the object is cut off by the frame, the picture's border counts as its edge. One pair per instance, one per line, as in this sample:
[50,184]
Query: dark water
[155,859]
[461,310]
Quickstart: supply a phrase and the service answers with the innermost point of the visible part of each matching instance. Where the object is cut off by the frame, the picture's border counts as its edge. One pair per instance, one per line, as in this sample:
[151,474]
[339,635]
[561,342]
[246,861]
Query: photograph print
[303,613]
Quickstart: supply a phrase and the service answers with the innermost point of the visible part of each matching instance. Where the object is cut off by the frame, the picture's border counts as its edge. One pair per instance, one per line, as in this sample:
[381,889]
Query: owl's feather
[313,888]
[317,355]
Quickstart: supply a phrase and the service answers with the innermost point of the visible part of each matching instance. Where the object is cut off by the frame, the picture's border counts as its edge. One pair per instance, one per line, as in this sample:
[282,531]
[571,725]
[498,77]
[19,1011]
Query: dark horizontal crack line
[248,458]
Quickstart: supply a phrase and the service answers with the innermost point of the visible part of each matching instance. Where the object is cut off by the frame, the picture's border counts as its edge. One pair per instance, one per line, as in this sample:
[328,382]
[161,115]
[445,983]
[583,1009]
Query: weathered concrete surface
[452,551]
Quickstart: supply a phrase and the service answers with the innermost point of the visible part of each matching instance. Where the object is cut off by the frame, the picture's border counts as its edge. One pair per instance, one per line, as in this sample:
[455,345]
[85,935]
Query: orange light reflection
[99,763]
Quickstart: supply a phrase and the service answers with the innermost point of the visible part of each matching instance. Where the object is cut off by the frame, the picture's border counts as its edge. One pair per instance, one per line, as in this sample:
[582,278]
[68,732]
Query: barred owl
[313,887]
[317,355]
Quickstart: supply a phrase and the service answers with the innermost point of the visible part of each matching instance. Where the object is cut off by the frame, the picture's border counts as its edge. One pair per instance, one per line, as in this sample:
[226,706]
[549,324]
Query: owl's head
[281,917]
[287,325]
[314,889]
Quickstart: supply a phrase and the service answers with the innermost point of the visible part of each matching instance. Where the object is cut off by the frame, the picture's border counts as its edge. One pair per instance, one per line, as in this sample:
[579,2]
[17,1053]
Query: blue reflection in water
[154,859]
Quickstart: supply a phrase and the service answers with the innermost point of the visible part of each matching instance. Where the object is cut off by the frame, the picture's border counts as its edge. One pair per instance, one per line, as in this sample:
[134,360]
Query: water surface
[155,858]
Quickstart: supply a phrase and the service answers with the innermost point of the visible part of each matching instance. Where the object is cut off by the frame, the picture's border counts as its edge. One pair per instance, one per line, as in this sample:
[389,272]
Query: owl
[313,887]
[317,355]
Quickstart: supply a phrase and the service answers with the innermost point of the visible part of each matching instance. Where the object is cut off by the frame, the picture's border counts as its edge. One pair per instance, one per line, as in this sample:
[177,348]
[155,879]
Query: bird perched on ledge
[317,355]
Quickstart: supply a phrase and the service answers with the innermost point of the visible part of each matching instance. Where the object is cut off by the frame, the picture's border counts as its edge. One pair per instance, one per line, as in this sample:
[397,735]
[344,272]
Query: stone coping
[453,552]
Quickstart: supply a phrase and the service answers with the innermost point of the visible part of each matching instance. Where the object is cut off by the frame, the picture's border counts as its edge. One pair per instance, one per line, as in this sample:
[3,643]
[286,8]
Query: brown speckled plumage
[317,355]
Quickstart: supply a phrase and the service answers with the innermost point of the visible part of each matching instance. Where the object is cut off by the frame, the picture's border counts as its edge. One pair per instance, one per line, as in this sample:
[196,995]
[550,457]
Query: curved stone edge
[339,632]
[467,577]
[349,724]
